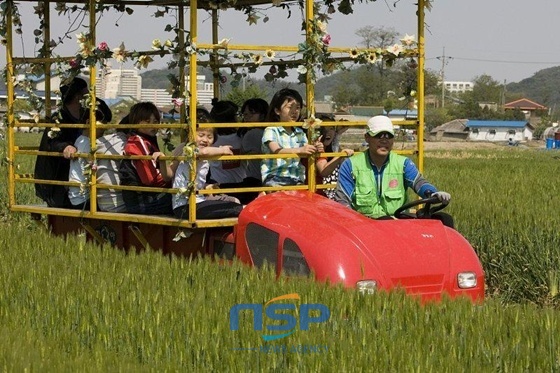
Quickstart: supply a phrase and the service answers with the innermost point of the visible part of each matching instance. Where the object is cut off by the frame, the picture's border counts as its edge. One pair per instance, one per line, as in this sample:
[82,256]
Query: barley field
[68,305]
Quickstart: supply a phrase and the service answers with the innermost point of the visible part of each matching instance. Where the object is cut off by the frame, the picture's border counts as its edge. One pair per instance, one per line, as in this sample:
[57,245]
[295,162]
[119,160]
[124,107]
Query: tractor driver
[374,182]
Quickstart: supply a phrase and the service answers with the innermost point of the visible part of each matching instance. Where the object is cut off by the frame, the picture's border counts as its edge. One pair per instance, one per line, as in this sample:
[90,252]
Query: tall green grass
[505,203]
[67,305]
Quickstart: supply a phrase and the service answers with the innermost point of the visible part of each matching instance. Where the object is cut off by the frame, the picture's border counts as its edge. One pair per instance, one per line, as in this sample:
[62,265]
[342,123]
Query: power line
[499,61]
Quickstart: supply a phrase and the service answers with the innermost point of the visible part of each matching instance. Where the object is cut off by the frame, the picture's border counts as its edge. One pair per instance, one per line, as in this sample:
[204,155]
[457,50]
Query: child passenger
[79,196]
[327,168]
[145,172]
[286,106]
[111,200]
[207,206]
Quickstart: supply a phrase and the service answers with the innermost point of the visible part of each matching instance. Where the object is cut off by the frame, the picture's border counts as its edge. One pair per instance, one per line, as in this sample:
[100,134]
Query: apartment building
[459,87]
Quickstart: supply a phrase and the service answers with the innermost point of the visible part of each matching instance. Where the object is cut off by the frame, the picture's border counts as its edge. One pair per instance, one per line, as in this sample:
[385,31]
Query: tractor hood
[343,246]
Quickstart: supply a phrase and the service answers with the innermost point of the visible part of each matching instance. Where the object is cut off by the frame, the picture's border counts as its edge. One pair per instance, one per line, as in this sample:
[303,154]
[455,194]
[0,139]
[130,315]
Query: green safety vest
[365,198]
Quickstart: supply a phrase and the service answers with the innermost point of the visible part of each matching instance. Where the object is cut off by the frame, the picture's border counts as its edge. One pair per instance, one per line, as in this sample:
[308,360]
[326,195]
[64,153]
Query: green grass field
[67,305]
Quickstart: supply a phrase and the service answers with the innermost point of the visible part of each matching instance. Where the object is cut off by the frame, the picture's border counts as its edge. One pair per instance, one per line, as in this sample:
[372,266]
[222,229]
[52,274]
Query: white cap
[378,124]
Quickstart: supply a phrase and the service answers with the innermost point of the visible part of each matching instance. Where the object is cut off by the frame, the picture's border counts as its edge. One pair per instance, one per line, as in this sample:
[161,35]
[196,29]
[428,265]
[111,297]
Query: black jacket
[55,168]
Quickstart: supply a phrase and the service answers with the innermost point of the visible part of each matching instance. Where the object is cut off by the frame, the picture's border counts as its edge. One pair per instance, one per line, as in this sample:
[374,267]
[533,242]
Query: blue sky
[506,39]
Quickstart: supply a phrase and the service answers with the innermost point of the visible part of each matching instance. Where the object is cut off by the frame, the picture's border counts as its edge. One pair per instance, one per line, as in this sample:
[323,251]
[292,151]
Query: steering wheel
[424,213]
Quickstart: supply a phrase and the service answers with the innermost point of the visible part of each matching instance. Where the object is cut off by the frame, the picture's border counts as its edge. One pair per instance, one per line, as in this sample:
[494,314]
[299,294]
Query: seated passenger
[226,172]
[143,172]
[207,206]
[111,200]
[79,196]
[286,106]
[374,182]
[253,110]
[57,168]
[327,167]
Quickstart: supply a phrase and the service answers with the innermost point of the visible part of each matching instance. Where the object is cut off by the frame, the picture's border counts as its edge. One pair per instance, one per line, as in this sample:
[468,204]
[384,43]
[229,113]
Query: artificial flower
[252,19]
[119,53]
[322,26]
[301,69]
[144,61]
[326,39]
[395,49]
[74,63]
[372,58]
[257,59]
[86,50]
[270,54]
[177,101]
[156,44]
[53,132]
[312,123]
[408,40]
[82,38]
[223,43]
[354,53]
[191,49]
[103,46]
[168,43]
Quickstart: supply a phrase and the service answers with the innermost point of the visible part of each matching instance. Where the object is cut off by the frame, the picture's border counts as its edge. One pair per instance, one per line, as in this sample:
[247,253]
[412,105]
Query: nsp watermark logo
[308,313]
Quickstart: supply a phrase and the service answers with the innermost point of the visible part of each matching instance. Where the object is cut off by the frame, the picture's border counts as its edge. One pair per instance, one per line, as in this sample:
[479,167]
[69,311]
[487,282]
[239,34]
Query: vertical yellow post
[92,120]
[47,53]
[420,88]
[309,90]
[214,63]
[182,80]
[193,101]
[10,102]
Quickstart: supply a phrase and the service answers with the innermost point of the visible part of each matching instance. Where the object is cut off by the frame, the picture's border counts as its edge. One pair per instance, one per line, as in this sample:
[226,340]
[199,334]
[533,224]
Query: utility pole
[444,61]
[504,95]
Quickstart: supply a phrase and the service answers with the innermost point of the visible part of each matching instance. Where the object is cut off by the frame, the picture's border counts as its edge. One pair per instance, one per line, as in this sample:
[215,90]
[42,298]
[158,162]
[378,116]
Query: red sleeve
[147,169]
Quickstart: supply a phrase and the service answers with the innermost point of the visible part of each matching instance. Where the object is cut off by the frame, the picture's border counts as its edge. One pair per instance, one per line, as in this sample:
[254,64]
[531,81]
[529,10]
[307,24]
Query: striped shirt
[289,167]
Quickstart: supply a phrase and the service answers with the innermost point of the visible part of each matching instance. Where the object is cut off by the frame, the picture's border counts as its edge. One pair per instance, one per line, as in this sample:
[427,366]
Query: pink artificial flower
[177,101]
[103,46]
[74,63]
[326,39]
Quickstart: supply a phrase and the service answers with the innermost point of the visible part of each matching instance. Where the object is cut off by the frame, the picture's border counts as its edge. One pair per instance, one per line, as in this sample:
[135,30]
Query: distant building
[458,87]
[483,130]
[160,97]
[456,130]
[113,83]
[205,91]
[531,109]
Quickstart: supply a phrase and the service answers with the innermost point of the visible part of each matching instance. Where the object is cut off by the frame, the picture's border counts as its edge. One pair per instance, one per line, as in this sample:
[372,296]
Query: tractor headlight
[466,280]
[366,286]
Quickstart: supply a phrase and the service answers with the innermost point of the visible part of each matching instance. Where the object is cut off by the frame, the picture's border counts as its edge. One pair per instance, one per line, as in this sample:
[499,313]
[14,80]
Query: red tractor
[302,233]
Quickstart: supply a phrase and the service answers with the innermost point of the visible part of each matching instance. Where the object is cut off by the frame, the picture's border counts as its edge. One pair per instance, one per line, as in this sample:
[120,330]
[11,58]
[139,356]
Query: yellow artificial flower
[270,54]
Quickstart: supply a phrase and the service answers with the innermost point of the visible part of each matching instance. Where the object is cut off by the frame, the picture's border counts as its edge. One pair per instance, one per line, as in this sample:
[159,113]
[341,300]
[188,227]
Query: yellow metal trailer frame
[188,62]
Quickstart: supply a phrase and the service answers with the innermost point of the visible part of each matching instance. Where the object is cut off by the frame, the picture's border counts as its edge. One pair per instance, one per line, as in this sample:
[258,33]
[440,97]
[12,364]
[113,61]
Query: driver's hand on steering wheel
[443,197]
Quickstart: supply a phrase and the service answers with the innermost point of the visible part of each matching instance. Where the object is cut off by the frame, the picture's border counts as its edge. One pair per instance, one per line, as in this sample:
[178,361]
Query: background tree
[376,37]
[240,95]
[435,117]
[486,89]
